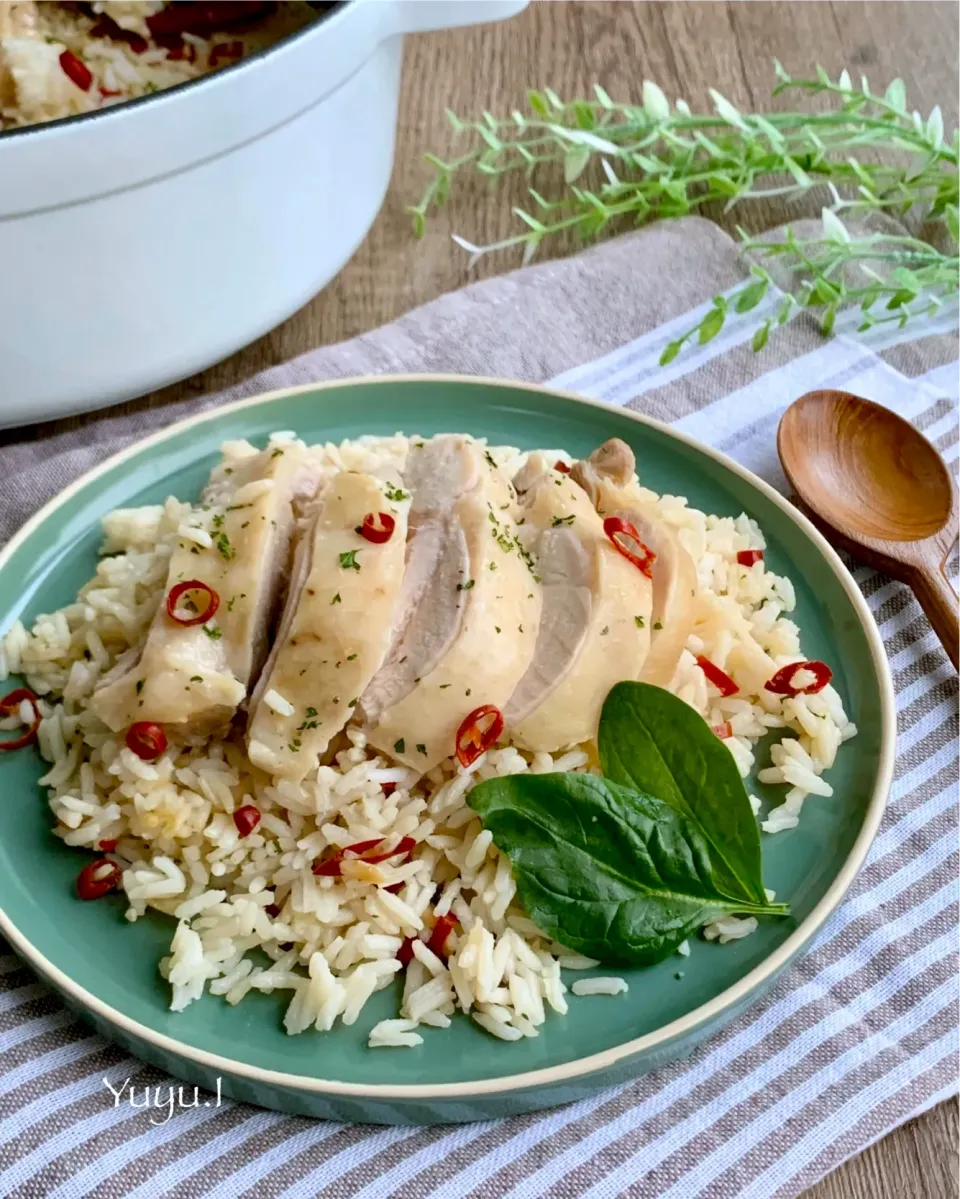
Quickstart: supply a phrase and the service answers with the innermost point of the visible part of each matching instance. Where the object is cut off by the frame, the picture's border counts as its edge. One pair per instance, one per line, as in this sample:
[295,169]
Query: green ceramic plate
[106,968]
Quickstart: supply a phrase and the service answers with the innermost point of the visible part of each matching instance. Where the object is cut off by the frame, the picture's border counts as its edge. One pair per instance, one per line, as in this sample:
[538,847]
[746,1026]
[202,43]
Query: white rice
[283,707]
[600,986]
[331,942]
[731,928]
[576,961]
[394,1033]
[36,88]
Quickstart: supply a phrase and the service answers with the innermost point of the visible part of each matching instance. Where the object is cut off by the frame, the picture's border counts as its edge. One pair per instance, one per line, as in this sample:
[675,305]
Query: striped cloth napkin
[860,1035]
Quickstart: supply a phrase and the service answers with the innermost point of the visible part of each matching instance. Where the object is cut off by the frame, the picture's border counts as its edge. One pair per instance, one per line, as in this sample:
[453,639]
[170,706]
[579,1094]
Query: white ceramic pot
[146,241]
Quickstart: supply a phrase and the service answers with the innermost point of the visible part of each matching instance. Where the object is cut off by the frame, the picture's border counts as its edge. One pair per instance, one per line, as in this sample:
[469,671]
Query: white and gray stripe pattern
[860,1035]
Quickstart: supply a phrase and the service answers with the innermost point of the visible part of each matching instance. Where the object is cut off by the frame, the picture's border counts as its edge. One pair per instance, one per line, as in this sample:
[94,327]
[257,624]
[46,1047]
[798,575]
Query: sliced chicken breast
[594,625]
[471,636]
[192,678]
[607,476]
[336,630]
[429,613]
[675,589]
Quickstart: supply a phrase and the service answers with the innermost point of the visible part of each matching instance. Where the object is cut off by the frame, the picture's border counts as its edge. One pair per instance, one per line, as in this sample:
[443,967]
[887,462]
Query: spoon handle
[939,601]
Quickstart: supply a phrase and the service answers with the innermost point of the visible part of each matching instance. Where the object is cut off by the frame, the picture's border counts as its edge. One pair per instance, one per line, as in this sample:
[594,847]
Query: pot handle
[420,16]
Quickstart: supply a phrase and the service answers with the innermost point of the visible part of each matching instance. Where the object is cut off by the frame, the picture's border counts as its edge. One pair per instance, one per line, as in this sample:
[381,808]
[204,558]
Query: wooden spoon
[879,489]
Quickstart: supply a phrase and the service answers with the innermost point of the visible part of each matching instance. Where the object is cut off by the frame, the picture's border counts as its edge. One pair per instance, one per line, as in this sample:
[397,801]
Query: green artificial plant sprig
[663,161]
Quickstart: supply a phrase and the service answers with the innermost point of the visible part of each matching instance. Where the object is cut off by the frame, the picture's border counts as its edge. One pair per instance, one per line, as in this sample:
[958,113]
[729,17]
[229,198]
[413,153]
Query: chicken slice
[594,625]
[489,615]
[336,629]
[192,678]
[429,612]
[567,578]
[607,476]
[675,589]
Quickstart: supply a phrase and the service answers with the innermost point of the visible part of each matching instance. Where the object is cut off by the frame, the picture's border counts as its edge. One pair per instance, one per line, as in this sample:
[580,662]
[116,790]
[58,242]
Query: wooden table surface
[686,48]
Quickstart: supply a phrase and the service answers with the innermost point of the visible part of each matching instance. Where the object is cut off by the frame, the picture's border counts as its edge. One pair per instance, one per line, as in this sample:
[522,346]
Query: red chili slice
[643,557]
[782,681]
[177,49]
[76,70]
[378,527]
[225,50]
[723,731]
[108,93]
[405,952]
[107,27]
[246,819]
[12,701]
[388,788]
[200,616]
[561,467]
[107,846]
[10,706]
[201,18]
[722,681]
[395,888]
[98,879]
[472,740]
[441,934]
[330,867]
[749,557]
[146,739]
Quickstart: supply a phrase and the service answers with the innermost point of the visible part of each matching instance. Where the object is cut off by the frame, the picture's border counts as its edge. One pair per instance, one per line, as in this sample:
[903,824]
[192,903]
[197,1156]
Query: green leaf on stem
[584,115]
[660,161]
[418,219]
[711,325]
[575,162]
[896,95]
[761,337]
[538,102]
[655,103]
[751,295]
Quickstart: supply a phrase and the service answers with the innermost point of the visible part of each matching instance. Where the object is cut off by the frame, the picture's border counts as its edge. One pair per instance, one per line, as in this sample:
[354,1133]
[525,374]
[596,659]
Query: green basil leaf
[652,741]
[608,872]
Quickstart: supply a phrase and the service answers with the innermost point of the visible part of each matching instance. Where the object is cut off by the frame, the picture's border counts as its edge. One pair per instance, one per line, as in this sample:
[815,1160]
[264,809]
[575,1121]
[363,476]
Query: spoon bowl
[879,489]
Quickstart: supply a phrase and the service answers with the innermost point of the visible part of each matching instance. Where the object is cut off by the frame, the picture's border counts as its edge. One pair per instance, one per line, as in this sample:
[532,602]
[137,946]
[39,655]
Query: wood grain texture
[879,490]
[687,48]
